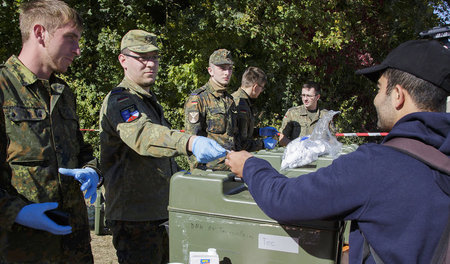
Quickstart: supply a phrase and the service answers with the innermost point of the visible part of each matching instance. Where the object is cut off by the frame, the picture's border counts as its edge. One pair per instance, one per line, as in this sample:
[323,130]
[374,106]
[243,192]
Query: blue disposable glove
[33,215]
[267,131]
[269,143]
[88,178]
[206,149]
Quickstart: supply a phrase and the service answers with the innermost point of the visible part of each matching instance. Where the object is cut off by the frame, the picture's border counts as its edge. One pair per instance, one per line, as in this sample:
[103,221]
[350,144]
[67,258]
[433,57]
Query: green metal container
[211,210]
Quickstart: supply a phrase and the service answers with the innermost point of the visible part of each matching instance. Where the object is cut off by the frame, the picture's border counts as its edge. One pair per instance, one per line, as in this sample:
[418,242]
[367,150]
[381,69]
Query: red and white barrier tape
[373,134]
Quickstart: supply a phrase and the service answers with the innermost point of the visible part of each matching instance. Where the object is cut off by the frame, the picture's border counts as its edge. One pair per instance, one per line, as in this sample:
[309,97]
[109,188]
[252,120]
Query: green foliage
[9,28]
[292,41]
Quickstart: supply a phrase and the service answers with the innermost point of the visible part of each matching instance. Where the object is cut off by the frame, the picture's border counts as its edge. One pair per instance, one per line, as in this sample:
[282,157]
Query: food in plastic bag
[302,151]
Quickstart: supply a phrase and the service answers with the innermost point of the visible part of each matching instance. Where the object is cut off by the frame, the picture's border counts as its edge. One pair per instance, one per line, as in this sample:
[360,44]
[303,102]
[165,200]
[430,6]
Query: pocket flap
[18,113]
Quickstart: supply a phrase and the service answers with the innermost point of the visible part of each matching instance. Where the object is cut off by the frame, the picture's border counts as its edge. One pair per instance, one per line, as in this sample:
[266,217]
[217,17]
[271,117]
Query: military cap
[221,56]
[139,41]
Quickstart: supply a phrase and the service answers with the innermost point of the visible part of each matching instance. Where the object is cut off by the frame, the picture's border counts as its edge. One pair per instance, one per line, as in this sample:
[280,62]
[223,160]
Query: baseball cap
[221,56]
[139,41]
[425,59]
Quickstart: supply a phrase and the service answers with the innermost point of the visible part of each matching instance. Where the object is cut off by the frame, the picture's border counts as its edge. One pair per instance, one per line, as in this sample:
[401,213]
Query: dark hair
[311,84]
[253,75]
[425,95]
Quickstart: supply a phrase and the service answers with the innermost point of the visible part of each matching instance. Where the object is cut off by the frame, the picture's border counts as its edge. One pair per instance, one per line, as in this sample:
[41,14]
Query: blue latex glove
[267,131]
[269,143]
[206,149]
[88,178]
[33,215]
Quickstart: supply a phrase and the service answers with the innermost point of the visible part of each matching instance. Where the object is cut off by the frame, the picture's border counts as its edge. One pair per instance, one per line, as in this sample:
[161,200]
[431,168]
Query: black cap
[425,59]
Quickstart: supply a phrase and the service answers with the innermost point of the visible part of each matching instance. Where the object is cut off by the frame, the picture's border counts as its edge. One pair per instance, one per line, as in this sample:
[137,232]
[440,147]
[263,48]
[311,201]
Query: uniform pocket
[20,114]
[216,122]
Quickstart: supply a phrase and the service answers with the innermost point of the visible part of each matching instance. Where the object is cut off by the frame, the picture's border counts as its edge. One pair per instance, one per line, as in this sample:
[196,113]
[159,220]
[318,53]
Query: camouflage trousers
[140,242]
[26,245]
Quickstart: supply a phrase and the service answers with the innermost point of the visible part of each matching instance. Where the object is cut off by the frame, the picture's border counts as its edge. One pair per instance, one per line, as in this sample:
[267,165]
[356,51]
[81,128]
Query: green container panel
[210,210]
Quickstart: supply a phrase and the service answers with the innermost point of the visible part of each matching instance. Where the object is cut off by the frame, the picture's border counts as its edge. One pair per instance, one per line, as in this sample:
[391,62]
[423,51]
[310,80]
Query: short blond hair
[52,14]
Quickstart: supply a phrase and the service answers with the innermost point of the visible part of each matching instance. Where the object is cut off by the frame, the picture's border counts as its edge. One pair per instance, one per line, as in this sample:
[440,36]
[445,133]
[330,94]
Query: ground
[103,249]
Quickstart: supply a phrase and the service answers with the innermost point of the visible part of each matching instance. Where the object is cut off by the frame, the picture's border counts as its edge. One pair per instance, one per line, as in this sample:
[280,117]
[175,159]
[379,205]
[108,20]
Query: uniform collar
[27,77]
[304,111]
[126,82]
[24,75]
[242,94]
[217,89]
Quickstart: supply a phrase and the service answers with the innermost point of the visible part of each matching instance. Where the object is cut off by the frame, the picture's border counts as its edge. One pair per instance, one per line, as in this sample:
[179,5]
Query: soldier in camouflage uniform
[41,129]
[253,81]
[137,146]
[210,110]
[299,121]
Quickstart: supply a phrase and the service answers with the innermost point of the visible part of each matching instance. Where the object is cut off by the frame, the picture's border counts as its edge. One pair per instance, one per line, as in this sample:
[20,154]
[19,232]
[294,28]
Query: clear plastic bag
[302,151]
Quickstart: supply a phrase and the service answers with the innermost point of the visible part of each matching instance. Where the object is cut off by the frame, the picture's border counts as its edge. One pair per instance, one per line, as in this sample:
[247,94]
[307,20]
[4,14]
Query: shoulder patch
[193,117]
[130,113]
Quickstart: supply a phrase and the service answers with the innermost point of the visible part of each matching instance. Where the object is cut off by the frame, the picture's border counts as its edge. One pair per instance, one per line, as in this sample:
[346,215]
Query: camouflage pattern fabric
[136,149]
[212,113]
[246,122]
[220,57]
[296,123]
[41,126]
[10,203]
[139,41]
[140,242]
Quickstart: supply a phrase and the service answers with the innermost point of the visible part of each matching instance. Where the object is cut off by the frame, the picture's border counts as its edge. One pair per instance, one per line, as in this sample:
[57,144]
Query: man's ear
[39,33]
[122,59]
[210,71]
[398,96]
[255,85]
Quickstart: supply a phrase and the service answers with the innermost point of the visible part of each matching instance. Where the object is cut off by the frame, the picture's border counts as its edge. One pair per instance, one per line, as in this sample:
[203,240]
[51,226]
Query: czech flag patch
[130,113]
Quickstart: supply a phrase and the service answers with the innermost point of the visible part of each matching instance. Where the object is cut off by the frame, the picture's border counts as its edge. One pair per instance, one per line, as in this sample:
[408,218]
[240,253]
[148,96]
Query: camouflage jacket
[136,149]
[10,204]
[42,133]
[246,122]
[296,122]
[212,113]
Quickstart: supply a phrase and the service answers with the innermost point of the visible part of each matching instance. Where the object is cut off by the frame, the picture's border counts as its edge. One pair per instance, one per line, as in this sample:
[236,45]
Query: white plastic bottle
[209,257]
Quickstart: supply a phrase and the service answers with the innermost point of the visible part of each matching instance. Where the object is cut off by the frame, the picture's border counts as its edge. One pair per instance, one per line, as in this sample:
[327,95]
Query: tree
[292,41]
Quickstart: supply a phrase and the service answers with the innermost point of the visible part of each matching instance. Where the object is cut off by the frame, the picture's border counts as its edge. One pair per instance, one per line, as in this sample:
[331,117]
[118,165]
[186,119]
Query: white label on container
[278,243]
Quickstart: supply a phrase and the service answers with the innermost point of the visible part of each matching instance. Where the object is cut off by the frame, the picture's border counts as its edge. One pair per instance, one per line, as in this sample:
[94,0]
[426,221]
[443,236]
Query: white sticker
[278,243]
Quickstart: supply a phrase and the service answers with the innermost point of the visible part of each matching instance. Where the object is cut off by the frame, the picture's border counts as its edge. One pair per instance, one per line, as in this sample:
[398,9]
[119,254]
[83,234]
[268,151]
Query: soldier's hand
[269,143]
[268,131]
[88,178]
[33,216]
[206,149]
